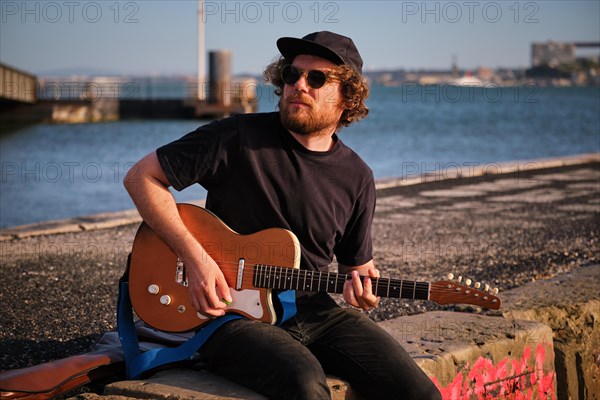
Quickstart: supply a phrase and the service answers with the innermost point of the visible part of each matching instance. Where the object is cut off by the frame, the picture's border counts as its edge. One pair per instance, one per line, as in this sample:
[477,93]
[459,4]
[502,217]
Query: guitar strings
[404,285]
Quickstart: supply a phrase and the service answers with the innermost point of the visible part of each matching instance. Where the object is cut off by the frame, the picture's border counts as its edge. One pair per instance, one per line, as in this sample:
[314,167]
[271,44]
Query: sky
[159,37]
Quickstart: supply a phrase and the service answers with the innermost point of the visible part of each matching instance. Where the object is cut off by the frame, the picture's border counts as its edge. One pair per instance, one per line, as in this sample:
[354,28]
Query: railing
[124,88]
[17,85]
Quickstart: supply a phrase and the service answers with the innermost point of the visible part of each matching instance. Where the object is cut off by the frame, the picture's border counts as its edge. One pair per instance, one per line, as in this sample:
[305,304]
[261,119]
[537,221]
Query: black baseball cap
[328,45]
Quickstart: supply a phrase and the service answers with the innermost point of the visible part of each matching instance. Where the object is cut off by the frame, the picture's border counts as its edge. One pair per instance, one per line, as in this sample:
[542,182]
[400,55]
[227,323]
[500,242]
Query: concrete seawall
[569,304]
[530,227]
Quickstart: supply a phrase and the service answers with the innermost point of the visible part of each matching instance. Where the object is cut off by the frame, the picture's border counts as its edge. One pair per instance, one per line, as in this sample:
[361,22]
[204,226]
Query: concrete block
[93,396]
[477,356]
[41,228]
[187,384]
[181,384]
[109,220]
[570,305]
[70,225]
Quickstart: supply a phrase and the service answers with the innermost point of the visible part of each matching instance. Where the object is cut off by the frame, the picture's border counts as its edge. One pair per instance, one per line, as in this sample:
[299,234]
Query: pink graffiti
[511,379]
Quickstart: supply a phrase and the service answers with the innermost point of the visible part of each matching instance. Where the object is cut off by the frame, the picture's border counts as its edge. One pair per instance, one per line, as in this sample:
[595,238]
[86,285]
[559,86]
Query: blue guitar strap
[138,362]
[287,299]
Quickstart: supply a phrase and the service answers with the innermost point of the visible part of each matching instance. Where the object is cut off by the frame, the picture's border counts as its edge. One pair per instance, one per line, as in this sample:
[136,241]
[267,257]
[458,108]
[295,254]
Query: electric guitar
[253,266]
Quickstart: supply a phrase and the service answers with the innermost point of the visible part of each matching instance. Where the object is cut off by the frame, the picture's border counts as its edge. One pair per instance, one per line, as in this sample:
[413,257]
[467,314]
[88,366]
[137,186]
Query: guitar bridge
[180,276]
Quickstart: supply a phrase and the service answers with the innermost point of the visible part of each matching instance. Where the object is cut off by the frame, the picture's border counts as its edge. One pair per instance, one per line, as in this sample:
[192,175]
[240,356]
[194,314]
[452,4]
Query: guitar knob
[153,289]
[450,276]
[477,285]
[459,279]
[468,282]
[495,291]
[487,287]
[165,300]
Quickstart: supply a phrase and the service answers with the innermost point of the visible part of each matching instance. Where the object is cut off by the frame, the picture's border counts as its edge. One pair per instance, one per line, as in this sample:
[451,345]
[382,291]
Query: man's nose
[302,84]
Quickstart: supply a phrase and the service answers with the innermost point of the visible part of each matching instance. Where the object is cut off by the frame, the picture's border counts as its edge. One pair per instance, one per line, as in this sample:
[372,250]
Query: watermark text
[53,12]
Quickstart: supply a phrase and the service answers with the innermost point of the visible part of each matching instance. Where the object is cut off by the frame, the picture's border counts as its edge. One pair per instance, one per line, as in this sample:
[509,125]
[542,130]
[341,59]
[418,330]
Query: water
[59,171]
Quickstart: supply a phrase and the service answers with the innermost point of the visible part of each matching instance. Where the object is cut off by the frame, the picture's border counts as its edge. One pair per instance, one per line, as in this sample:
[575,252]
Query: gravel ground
[517,231]
[58,292]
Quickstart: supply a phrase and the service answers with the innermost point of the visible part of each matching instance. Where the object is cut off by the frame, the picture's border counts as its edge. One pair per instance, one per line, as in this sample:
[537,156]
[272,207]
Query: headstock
[460,292]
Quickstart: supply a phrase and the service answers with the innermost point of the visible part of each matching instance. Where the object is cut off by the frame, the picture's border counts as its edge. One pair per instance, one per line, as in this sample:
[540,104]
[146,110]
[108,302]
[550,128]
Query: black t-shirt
[259,176]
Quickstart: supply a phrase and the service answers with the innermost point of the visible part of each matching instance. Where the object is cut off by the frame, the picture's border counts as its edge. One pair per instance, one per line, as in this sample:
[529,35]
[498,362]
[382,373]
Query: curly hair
[354,89]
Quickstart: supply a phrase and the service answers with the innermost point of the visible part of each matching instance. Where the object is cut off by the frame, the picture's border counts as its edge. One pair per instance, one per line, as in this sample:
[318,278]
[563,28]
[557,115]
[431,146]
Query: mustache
[301,98]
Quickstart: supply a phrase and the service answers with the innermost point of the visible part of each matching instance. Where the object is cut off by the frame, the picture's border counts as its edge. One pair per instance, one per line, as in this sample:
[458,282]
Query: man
[288,169]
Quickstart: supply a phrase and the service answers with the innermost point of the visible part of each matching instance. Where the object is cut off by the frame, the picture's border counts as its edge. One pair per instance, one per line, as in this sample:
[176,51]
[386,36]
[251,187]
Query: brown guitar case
[103,360]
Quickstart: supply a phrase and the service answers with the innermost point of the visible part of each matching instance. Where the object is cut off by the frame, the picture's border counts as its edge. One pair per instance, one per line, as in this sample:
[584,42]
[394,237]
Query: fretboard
[282,278]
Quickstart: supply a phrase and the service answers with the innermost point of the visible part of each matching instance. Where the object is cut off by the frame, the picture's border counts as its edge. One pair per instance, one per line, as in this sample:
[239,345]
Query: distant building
[485,74]
[552,54]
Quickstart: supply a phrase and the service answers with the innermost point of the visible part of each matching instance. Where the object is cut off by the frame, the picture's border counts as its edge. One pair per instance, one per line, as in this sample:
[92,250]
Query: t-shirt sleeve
[356,246]
[201,156]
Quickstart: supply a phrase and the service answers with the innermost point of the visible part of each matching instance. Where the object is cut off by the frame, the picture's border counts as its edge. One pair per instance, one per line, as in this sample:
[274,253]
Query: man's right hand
[208,287]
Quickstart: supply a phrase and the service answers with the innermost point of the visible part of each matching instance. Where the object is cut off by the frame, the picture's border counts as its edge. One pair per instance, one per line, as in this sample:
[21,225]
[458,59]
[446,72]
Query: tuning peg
[468,282]
[495,291]
[477,285]
[459,279]
[450,276]
[487,288]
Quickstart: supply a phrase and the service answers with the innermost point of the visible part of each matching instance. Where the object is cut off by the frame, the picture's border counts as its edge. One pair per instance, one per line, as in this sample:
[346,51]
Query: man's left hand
[359,293]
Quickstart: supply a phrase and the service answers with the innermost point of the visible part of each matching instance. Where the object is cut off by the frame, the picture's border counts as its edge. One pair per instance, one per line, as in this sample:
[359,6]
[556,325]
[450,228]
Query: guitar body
[157,283]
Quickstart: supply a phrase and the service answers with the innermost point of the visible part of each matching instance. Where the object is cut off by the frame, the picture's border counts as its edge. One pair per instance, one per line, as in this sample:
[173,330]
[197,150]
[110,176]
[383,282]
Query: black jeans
[290,361]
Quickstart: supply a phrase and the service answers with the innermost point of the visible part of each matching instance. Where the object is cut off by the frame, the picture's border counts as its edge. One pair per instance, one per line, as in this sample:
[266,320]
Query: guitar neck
[282,278]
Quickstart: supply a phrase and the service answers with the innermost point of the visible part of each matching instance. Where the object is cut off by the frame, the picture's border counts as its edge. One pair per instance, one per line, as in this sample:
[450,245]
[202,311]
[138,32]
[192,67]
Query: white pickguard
[247,300]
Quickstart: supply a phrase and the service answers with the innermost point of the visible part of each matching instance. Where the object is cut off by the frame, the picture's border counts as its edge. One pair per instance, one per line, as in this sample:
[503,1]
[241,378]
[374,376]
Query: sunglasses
[315,78]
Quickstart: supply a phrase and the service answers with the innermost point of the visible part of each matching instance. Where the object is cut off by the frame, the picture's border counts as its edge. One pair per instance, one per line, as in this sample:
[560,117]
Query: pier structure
[25,98]
[16,87]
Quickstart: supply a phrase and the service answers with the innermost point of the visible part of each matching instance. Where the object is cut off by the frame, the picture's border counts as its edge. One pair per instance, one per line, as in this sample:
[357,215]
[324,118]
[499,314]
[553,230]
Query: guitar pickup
[240,274]
[180,276]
